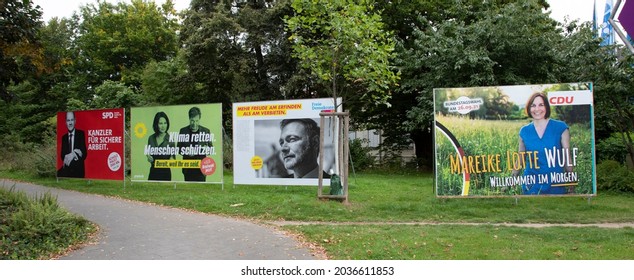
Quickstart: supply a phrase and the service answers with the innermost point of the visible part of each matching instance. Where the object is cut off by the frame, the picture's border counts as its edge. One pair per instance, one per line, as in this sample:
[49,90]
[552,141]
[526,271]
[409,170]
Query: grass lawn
[463,242]
[383,197]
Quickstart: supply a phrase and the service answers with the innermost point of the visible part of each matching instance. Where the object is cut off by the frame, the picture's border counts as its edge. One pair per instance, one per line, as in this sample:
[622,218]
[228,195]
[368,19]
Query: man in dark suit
[198,136]
[73,150]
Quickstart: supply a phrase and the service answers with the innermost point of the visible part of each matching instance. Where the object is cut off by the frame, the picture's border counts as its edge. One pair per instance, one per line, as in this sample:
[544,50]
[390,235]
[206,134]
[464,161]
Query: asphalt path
[131,230]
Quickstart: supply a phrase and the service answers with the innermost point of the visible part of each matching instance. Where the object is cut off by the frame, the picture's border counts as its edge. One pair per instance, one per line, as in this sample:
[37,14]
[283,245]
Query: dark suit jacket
[193,174]
[76,168]
[324,176]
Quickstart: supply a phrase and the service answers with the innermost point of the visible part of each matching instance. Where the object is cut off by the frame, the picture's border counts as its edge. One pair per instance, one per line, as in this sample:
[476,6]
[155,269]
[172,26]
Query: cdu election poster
[515,141]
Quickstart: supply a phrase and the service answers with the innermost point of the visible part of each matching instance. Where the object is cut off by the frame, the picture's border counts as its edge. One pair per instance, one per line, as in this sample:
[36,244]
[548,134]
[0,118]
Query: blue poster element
[607,32]
[594,19]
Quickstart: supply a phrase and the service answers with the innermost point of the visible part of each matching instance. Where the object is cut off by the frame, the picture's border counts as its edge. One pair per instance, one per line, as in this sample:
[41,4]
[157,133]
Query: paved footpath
[132,230]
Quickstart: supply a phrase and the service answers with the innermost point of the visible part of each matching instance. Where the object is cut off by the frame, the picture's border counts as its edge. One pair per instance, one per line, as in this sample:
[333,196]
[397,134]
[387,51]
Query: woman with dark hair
[541,135]
[160,138]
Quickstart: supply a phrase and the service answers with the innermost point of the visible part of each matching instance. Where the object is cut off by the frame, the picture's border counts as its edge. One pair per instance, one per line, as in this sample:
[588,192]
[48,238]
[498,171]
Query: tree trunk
[424,147]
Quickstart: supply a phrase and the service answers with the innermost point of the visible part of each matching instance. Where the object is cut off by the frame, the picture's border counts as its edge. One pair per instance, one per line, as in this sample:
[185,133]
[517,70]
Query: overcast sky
[574,9]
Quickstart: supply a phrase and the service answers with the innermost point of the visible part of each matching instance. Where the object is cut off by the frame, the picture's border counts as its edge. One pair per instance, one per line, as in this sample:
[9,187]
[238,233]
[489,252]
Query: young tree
[345,45]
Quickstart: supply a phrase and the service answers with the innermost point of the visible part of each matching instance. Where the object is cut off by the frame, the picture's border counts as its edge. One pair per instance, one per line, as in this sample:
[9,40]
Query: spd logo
[107,115]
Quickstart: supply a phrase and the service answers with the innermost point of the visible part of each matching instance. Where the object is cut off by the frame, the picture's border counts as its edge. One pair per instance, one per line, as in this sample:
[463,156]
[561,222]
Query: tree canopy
[117,41]
[20,52]
[344,44]
[471,43]
[383,57]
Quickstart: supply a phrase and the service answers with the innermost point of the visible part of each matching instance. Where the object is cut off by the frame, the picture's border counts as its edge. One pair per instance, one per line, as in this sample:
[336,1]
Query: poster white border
[256,135]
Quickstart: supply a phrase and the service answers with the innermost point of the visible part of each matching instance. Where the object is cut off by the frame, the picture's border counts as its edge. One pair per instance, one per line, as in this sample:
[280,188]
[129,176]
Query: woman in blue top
[541,135]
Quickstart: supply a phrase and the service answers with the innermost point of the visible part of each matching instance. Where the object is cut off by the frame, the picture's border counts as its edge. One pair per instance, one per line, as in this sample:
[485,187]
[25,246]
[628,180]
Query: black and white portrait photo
[289,148]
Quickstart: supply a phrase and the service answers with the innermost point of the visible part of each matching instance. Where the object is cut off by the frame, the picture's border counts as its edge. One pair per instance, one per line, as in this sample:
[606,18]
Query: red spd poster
[90,144]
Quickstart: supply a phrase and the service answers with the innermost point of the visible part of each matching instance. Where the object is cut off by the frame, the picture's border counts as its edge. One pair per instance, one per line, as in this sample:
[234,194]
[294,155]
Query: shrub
[14,148]
[44,164]
[37,159]
[611,148]
[362,157]
[614,176]
[227,153]
[37,228]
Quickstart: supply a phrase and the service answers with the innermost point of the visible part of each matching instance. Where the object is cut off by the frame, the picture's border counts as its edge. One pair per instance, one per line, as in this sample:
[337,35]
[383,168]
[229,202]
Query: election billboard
[515,140]
[277,142]
[177,143]
[90,144]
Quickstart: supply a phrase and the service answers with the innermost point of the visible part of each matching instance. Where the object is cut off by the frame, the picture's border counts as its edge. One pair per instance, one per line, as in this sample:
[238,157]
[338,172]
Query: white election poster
[277,142]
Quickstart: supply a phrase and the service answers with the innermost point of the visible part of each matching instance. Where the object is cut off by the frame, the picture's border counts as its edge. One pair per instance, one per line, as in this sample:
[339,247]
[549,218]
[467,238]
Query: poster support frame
[343,119]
